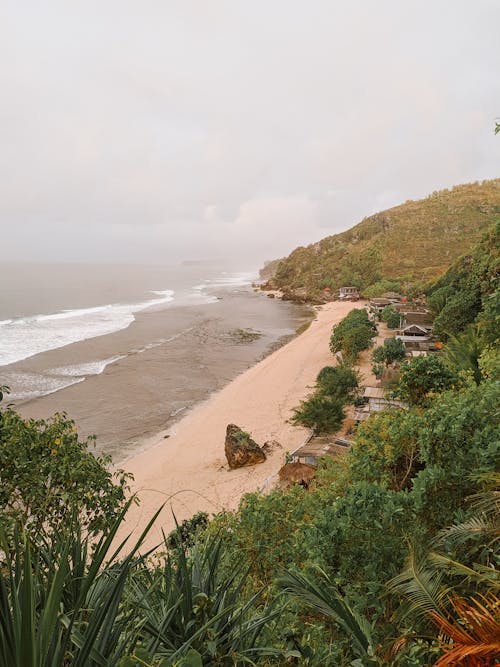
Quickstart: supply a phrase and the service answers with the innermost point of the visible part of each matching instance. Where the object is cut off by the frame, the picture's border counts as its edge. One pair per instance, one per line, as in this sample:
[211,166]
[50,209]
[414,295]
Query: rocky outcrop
[241,450]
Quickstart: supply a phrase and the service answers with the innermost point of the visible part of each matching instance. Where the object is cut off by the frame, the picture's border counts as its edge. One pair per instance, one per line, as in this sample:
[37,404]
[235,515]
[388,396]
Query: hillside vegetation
[390,557]
[411,243]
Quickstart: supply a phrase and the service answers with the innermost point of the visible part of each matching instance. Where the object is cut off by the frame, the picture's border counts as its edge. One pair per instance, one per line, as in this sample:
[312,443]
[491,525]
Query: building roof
[380,302]
[374,392]
[415,328]
[416,317]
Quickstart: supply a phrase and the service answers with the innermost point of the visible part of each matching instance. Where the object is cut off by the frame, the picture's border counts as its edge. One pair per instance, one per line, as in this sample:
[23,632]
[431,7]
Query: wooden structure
[375,401]
[348,294]
[414,332]
[380,304]
[422,319]
[318,446]
[394,296]
[297,473]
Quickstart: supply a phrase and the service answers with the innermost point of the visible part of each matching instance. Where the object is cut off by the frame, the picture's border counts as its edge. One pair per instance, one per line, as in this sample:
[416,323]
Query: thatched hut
[297,473]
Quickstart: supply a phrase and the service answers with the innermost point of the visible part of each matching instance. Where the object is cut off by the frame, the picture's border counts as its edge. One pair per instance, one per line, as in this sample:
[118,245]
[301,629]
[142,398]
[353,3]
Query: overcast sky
[159,129]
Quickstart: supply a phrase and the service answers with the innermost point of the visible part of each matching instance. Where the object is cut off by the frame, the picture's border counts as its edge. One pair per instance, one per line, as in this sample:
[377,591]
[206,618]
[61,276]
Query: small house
[421,318]
[413,331]
[348,294]
[319,446]
[375,401]
[393,296]
[378,305]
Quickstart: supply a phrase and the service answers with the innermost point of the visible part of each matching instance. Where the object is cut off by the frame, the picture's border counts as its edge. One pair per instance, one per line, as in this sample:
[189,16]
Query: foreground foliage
[47,474]
[61,608]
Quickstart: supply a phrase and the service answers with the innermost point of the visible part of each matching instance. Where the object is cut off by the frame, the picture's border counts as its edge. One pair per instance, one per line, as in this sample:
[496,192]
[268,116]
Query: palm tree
[462,352]
[324,597]
[468,622]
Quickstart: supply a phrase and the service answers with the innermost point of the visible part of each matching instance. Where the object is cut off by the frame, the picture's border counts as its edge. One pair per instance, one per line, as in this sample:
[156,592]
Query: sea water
[48,306]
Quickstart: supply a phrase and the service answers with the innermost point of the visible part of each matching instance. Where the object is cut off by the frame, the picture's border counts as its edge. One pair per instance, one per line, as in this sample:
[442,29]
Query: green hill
[416,241]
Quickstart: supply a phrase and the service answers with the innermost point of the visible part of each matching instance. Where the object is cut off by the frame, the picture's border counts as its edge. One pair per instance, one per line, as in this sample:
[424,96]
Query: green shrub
[353,334]
[391,317]
[324,410]
[321,413]
[47,474]
[392,350]
[337,381]
[421,377]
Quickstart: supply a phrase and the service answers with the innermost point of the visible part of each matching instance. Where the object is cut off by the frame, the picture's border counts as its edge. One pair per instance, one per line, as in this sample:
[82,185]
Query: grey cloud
[169,129]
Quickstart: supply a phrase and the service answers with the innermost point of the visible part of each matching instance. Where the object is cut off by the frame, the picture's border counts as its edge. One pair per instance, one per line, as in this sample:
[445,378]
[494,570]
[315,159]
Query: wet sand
[173,358]
[188,471]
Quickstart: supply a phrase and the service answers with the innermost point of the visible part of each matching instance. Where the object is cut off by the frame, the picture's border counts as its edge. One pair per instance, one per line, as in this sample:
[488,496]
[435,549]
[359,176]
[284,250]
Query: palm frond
[485,576]
[472,627]
[325,598]
[422,586]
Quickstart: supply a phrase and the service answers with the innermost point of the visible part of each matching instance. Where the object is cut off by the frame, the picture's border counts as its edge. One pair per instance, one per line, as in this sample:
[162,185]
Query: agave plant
[60,603]
[194,609]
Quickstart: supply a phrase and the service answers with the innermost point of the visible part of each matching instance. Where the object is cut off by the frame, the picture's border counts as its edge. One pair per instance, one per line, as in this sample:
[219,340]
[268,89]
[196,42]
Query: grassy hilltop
[413,242]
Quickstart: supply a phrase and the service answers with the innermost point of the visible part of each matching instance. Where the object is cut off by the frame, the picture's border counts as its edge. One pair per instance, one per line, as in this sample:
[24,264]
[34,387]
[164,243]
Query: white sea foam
[89,368]
[25,385]
[227,280]
[26,336]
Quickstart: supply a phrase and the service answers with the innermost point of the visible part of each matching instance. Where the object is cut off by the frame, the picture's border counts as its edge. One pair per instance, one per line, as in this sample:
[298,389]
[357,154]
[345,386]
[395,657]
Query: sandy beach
[167,361]
[188,471]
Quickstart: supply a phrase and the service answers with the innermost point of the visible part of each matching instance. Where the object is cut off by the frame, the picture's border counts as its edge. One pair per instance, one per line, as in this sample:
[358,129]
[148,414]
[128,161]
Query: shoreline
[188,470]
[168,361]
[151,440]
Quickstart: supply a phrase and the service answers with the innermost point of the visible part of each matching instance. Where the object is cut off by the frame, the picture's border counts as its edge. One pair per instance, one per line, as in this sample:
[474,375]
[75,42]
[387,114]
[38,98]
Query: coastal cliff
[403,246]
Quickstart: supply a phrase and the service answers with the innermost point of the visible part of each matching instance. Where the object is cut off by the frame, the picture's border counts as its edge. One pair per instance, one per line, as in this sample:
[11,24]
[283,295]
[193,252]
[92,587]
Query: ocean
[125,350]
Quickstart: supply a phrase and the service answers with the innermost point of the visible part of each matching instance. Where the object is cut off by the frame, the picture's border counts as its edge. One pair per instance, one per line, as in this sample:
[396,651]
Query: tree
[47,475]
[324,410]
[392,350]
[353,334]
[462,353]
[339,381]
[321,413]
[391,317]
[422,376]
[460,310]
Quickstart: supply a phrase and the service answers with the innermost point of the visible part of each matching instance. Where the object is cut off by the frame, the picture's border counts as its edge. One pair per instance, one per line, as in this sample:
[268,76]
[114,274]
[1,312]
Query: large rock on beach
[240,449]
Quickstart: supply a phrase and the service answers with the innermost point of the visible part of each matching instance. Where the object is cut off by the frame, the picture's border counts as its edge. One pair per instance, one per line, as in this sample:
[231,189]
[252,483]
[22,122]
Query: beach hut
[348,293]
[375,401]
